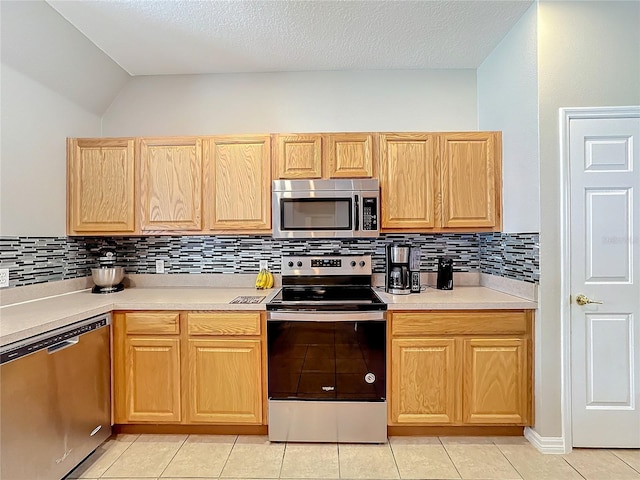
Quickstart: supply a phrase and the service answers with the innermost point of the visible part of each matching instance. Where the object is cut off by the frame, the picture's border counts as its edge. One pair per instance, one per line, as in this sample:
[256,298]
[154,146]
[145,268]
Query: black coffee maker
[445,273]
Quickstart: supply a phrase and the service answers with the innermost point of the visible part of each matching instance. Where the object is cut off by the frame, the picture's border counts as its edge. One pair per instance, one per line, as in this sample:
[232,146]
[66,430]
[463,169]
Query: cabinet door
[495,381]
[171,184]
[238,183]
[100,175]
[408,181]
[152,367]
[350,155]
[470,165]
[423,381]
[225,381]
[298,156]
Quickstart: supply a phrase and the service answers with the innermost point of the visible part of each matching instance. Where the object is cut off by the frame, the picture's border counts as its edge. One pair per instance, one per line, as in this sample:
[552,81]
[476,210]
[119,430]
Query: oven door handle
[310,316]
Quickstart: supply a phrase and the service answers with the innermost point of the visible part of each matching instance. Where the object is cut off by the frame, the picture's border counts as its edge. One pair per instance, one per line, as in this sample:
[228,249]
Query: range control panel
[326,265]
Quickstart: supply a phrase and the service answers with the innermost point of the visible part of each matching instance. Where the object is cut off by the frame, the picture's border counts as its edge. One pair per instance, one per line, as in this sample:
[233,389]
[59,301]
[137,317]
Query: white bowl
[107,277]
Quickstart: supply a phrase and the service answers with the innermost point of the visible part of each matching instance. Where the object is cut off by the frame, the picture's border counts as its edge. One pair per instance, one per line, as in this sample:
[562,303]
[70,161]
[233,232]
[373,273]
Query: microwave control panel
[369,213]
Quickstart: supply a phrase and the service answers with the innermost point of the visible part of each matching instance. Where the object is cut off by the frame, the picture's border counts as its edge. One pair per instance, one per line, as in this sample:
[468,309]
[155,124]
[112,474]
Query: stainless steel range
[326,333]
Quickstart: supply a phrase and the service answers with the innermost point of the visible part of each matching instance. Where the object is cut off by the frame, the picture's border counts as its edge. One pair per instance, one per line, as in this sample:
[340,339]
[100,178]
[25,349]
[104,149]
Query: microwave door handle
[357,214]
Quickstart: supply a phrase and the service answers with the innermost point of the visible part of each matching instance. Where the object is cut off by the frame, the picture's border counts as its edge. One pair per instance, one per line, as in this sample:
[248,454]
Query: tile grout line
[284,452]
[449,457]
[624,461]
[574,468]
[507,459]
[116,459]
[174,456]
[393,455]
[228,456]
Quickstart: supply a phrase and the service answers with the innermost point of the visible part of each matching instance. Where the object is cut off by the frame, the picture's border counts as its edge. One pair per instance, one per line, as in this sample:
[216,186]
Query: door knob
[584,300]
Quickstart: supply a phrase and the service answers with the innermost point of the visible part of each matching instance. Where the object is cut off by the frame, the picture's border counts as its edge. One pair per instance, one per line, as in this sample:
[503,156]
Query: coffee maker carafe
[398,277]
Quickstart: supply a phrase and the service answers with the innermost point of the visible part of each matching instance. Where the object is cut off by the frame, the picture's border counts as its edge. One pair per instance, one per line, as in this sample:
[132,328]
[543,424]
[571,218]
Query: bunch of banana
[264,279]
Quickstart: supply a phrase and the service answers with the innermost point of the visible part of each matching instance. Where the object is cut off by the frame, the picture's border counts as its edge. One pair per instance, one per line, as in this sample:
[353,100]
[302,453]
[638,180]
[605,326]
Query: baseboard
[554,445]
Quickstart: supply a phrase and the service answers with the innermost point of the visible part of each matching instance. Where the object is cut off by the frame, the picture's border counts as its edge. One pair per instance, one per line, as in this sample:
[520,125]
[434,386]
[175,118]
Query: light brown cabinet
[424,380]
[225,368]
[189,368]
[171,184]
[224,381]
[408,181]
[434,182]
[315,156]
[298,156]
[350,155]
[471,180]
[461,368]
[147,378]
[101,186]
[238,184]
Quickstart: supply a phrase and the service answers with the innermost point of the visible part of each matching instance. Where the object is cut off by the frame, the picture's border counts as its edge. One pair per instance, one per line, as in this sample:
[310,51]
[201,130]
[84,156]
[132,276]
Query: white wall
[54,84]
[508,101]
[35,124]
[588,55]
[416,100]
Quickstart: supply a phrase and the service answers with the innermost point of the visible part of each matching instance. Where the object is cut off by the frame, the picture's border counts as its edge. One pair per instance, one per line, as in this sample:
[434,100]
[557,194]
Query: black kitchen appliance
[445,273]
[326,351]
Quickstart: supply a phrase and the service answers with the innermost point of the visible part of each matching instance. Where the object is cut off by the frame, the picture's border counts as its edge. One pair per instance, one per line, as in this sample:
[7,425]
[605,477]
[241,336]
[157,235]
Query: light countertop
[27,319]
[460,298]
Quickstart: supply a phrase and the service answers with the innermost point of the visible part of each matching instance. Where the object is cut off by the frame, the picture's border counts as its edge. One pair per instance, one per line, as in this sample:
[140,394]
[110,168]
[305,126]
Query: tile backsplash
[36,260]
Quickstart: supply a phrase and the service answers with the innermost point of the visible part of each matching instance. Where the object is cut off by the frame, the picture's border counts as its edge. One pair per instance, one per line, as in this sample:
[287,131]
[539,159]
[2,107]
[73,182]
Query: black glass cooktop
[326,297]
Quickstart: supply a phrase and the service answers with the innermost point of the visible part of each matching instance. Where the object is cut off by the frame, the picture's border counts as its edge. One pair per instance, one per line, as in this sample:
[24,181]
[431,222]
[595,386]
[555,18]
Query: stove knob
[290,264]
[362,264]
[353,263]
[299,264]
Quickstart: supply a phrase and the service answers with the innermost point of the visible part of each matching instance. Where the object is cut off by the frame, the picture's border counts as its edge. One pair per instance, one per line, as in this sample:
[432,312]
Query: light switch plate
[159,266]
[264,264]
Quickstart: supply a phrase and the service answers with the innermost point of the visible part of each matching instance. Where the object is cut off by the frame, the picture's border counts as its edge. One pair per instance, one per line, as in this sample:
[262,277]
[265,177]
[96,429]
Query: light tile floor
[181,457]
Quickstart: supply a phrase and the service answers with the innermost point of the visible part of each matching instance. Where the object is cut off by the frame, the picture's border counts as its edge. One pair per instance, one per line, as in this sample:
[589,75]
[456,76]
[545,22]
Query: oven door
[327,356]
[327,379]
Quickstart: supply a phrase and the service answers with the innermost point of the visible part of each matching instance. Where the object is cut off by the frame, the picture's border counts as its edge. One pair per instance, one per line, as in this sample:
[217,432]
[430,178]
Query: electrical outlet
[264,264]
[159,266]
[4,277]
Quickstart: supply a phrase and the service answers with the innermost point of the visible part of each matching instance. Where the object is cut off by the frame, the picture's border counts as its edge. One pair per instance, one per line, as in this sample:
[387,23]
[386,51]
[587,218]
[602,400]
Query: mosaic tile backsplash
[37,260]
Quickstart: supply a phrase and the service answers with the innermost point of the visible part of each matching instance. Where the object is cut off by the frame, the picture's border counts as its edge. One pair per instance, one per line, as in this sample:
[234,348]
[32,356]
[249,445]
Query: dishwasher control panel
[53,340]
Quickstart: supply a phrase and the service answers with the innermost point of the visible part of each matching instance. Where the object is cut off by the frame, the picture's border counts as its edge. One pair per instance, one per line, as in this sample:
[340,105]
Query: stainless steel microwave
[326,208]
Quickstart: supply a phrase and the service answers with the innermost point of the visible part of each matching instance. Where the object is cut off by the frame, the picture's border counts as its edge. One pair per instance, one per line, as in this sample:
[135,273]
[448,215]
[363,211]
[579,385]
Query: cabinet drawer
[157,323]
[223,323]
[480,322]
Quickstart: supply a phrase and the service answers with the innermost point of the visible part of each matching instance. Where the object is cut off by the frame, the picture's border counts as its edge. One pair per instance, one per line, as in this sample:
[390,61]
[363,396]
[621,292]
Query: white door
[604,162]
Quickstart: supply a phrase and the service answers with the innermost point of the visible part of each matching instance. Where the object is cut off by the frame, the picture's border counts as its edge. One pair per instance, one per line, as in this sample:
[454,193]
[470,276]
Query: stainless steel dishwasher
[55,399]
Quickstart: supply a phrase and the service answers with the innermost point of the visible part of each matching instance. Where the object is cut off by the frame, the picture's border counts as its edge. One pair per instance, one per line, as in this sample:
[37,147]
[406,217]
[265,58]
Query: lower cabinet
[224,383]
[152,379]
[461,368]
[189,368]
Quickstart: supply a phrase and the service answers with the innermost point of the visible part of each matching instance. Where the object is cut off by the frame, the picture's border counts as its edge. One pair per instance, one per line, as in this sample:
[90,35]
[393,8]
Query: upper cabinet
[471,180]
[238,183]
[335,155]
[441,182]
[101,186]
[350,155]
[429,182]
[408,180]
[298,156]
[171,184]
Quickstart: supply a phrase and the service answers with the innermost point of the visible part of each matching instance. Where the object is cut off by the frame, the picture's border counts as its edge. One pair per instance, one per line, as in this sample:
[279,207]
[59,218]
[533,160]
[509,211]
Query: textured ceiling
[154,37]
